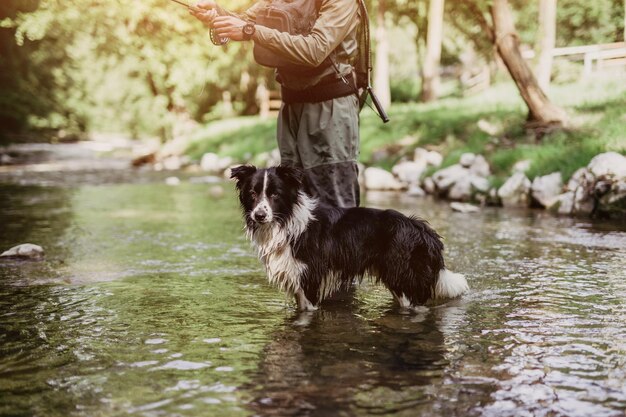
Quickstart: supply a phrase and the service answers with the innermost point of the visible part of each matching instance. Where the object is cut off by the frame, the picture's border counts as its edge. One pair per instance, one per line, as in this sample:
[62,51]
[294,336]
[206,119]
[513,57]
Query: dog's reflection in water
[339,359]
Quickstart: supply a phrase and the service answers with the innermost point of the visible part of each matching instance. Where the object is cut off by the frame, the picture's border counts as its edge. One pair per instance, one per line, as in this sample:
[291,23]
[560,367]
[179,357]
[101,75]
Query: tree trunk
[546,40]
[541,111]
[430,72]
[381,71]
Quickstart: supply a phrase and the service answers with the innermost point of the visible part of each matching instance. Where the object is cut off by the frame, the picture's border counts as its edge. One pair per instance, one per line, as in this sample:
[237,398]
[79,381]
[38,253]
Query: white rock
[434,158]
[212,163]
[464,207]
[274,158]
[420,155]
[547,188]
[416,191]
[379,179]
[461,190]
[467,159]
[488,128]
[444,179]
[521,166]
[480,184]
[609,164]
[172,181]
[25,250]
[563,204]
[581,178]
[515,191]
[409,172]
[361,175]
[429,185]
[480,167]
[172,163]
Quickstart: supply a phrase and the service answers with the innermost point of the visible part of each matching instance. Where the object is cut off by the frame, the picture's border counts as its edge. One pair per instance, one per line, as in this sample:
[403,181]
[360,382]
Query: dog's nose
[260,215]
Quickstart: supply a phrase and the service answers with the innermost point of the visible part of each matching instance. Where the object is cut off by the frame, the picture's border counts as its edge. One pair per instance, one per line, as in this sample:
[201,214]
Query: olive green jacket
[335,30]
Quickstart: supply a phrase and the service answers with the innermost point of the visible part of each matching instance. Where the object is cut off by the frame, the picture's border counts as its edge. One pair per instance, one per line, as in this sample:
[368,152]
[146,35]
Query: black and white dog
[312,250]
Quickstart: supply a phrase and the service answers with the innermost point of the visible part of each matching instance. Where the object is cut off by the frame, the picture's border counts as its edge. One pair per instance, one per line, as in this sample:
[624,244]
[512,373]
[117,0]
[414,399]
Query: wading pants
[323,139]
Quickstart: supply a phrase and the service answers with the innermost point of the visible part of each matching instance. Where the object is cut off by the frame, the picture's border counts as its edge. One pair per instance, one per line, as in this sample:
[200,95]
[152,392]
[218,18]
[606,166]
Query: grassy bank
[597,108]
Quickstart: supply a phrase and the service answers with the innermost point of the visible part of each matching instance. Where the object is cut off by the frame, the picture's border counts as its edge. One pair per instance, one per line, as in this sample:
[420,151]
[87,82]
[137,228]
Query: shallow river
[151,303]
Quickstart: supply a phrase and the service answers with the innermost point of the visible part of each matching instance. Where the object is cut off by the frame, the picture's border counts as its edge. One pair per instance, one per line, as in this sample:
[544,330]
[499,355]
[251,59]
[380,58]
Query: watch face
[248,29]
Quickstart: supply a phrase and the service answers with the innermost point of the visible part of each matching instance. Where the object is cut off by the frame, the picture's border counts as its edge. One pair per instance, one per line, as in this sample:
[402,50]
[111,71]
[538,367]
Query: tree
[381,71]
[545,42]
[430,77]
[503,35]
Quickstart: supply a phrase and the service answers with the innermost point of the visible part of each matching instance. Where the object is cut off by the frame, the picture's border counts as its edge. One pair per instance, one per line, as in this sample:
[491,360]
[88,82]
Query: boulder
[379,179]
[467,159]
[445,178]
[461,190]
[24,251]
[563,204]
[547,188]
[172,181]
[480,167]
[488,128]
[172,163]
[426,157]
[214,164]
[409,172]
[581,178]
[609,164]
[613,203]
[429,185]
[479,184]
[515,191]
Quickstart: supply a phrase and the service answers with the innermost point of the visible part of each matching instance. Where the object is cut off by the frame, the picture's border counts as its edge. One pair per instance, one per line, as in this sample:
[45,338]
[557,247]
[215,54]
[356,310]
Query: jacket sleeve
[337,18]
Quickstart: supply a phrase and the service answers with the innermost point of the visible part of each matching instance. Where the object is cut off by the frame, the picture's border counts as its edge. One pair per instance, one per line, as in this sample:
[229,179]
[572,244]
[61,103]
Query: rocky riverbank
[599,189]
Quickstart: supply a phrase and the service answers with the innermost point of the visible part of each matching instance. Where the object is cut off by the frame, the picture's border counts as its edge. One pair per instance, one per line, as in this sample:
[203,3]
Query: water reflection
[152,303]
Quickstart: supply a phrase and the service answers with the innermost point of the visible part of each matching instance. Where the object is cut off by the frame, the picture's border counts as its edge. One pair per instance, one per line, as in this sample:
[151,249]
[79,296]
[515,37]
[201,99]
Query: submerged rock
[515,191]
[464,207]
[24,251]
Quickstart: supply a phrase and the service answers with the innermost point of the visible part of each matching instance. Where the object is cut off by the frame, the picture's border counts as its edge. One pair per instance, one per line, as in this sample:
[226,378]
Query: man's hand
[205,11]
[229,27]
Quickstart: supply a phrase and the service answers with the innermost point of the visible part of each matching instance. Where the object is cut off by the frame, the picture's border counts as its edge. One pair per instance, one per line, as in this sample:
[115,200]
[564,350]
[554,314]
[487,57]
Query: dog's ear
[242,172]
[292,175]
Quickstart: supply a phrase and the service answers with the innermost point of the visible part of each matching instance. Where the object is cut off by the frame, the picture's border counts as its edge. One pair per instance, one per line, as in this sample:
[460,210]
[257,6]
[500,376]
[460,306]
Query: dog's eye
[253,194]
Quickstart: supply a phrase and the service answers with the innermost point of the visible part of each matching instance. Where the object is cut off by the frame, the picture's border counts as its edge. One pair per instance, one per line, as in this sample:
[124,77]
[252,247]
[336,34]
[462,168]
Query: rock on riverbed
[24,251]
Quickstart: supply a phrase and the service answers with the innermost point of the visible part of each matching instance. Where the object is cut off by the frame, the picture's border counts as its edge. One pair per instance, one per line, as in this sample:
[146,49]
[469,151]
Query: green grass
[597,108]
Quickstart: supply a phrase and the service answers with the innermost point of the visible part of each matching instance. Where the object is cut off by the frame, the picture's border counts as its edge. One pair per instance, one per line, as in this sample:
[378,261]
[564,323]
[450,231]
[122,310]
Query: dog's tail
[450,285]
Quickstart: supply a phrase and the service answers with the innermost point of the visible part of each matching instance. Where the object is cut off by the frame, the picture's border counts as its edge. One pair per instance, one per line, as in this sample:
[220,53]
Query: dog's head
[267,195]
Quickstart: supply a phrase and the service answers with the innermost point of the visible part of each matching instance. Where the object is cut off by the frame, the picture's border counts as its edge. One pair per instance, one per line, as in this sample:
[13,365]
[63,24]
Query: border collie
[311,250]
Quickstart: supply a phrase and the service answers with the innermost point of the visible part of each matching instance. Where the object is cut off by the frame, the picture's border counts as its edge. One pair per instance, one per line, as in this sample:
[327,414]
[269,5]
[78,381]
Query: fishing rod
[190,7]
[219,41]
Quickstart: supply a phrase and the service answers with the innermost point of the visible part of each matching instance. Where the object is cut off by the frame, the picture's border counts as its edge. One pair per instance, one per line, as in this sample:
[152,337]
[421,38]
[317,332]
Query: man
[318,123]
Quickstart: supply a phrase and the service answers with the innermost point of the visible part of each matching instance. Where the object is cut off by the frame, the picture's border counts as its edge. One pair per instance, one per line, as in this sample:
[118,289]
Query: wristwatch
[248,30]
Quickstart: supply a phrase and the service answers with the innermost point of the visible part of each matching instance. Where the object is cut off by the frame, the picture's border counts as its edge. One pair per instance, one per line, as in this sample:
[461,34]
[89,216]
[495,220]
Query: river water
[150,302]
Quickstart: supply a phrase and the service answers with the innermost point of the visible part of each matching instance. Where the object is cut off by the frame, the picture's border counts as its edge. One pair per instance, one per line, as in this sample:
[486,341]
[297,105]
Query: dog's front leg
[303,303]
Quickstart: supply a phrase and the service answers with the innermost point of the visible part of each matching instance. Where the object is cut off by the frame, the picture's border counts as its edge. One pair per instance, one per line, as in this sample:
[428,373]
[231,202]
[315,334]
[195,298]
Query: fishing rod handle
[379,108]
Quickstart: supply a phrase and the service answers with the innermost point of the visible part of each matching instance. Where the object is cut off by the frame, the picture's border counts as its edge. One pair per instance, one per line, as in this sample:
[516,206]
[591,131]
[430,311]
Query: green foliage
[117,66]
[450,126]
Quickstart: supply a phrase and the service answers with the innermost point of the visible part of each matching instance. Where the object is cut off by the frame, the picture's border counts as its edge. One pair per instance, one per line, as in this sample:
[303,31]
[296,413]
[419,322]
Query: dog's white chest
[283,270]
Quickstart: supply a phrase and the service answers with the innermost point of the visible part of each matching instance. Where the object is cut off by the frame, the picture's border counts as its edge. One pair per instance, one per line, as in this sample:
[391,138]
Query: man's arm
[337,19]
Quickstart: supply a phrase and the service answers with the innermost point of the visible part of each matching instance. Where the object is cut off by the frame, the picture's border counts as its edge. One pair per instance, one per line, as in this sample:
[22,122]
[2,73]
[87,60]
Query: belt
[327,89]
